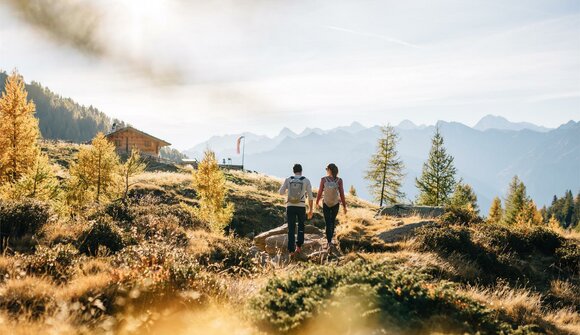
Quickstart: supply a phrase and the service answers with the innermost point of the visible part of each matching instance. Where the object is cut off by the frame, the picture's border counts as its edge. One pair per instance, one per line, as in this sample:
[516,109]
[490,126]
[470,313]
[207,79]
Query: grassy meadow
[151,266]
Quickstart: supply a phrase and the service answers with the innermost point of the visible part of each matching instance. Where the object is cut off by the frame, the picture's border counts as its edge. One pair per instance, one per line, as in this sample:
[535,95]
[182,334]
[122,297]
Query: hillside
[62,118]
[152,267]
[548,162]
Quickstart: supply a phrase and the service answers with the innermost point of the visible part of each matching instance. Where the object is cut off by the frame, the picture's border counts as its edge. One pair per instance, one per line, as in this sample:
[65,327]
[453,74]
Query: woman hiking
[331,190]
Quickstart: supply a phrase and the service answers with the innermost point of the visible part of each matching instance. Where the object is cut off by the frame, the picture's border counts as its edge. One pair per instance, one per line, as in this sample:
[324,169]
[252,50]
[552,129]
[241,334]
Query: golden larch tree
[495,211]
[19,131]
[210,185]
[39,182]
[96,171]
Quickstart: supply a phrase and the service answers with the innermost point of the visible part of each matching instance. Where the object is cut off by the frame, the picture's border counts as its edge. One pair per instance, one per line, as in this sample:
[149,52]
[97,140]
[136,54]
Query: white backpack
[331,195]
[295,190]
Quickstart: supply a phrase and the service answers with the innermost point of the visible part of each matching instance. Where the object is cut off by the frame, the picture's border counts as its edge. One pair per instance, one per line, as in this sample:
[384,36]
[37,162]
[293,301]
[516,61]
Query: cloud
[378,36]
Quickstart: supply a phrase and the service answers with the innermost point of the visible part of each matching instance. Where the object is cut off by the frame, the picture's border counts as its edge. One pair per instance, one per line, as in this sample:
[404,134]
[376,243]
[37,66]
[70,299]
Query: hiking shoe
[298,250]
[329,246]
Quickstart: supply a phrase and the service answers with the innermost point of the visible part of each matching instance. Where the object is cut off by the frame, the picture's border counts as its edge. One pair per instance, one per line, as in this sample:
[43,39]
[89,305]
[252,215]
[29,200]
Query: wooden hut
[128,138]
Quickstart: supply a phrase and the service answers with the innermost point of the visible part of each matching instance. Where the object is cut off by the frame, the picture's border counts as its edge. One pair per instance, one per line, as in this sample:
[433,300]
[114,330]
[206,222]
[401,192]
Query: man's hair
[297,168]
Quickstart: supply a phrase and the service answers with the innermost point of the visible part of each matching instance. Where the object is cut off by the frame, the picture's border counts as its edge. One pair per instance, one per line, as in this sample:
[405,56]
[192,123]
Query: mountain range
[487,155]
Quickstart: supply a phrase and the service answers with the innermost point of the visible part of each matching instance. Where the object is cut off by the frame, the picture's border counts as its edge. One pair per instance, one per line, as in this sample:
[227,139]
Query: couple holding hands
[298,189]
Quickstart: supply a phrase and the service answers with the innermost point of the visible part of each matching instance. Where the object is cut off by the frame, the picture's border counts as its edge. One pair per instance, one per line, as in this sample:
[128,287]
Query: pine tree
[385,172]
[515,201]
[495,211]
[576,220]
[18,131]
[132,167]
[352,191]
[210,184]
[568,209]
[39,183]
[96,171]
[464,197]
[437,180]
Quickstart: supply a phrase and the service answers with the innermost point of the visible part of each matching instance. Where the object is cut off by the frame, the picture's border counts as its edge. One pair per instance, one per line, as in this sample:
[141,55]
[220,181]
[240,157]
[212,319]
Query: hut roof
[129,128]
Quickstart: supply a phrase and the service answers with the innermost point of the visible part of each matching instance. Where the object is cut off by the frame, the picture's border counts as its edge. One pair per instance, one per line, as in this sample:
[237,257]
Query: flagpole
[243,152]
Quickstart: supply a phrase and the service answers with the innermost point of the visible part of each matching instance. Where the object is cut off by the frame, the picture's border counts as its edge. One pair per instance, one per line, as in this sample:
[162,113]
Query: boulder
[260,240]
[279,243]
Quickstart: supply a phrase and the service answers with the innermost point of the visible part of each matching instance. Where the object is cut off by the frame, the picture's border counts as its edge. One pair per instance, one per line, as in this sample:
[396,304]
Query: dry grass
[565,319]
[58,231]
[28,298]
[164,179]
[94,266]
[521,305]
[525,307]
[86,286]
[565,292]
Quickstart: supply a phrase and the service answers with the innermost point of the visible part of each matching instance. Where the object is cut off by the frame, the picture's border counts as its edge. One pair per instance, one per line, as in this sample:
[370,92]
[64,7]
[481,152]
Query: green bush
[119,211]
[568,257]
[523,241]
[460,216]
[449,240]
[102,233]
[389,299]
[20,218]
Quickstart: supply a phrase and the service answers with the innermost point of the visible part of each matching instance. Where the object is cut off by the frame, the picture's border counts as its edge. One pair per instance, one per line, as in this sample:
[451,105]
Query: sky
[187,70]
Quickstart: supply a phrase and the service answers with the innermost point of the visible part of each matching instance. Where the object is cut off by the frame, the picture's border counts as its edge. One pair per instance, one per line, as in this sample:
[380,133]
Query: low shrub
[361,293]
[156,228]
[451,240]
[102,233]
[227,254]
[568,257]
[55,262]
[460,216]
[20,218]
[119,211]
[521,240]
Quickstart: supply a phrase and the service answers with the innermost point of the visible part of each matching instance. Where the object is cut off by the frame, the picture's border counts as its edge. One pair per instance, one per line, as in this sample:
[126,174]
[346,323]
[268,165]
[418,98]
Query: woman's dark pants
[330,214]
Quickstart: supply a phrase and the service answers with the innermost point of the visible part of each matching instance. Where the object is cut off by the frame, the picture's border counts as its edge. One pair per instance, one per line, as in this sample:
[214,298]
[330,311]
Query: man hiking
[298,188]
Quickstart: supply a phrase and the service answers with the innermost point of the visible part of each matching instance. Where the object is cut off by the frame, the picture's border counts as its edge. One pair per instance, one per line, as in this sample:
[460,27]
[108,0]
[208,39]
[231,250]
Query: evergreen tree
[385,172]
[210,184]
[565,210]
[464,197]
[515,201]
[352,191]
[568,209]
[18,131]
[495,211]
[576,220]
[437,180]
[132,167]
[96,171]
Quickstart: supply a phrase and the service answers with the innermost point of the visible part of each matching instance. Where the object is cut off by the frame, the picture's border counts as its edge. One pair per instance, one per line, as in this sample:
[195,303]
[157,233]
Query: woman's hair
[333,169]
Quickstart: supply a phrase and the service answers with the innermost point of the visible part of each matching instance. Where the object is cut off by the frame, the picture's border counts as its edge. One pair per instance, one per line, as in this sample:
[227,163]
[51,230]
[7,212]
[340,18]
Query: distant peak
[501,123]
[286,132]
[407,124]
